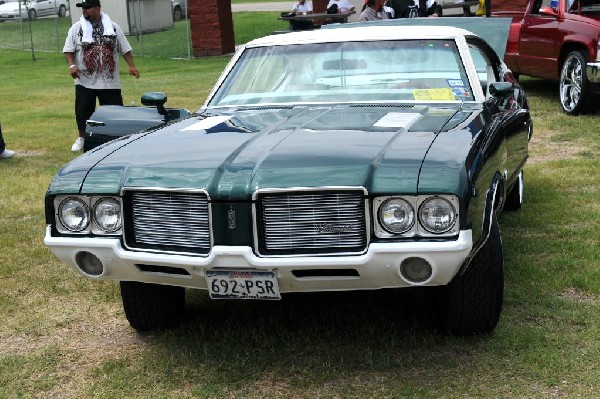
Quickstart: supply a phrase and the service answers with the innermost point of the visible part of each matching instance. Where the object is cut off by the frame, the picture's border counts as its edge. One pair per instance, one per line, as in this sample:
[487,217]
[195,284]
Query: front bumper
[592,71]
[378,268]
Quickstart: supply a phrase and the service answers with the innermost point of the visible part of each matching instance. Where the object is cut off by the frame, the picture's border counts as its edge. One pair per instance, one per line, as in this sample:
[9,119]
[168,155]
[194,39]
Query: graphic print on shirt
[99,56]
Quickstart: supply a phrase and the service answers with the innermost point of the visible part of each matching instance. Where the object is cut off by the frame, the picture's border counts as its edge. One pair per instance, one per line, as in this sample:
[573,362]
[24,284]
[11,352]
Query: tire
[152,306]
[514,198]
[575,94]
[62,11]
[472,302]
[32,15]
[177,14]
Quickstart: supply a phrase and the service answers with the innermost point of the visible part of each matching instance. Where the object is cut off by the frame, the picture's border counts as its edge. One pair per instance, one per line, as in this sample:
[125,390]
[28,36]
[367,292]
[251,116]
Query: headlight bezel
[60,217]
[98,224]
[418,229]
[403,202]
[453,213]
[93,226]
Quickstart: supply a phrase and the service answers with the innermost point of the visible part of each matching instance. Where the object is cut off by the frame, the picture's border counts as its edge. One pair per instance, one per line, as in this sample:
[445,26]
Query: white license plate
[242,284]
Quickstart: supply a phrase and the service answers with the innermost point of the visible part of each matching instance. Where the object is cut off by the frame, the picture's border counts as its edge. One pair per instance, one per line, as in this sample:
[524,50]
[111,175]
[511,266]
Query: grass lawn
[62,335]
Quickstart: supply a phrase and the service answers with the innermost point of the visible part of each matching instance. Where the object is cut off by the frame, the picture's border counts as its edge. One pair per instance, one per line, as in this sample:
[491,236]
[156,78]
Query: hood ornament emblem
[231,218]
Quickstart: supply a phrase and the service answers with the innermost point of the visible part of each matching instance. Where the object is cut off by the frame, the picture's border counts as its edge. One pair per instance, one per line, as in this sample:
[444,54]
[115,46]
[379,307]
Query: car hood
[11,7]
[233,154]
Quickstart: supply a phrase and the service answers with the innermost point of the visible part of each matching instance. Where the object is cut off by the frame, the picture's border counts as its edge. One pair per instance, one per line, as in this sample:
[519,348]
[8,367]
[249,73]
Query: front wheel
[472,302]
[575,93]
[32,15]
[62,11]
[152,306]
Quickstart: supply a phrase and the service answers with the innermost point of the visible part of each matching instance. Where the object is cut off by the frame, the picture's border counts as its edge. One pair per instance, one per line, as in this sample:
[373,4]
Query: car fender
[492,202]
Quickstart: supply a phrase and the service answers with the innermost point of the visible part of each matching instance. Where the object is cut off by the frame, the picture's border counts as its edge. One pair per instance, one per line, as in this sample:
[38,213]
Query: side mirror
[501,89]
[157,99]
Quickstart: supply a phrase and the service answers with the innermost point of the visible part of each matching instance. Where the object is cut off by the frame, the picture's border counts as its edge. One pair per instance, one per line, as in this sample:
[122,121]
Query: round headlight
[74,214]
[437,215]
[107,214]
[396,215]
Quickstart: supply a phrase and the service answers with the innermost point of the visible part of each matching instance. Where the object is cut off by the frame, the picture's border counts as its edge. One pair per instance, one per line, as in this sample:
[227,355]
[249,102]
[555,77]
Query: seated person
[373,11]
[429,8]
[302,7]
[415,8]
[340,5]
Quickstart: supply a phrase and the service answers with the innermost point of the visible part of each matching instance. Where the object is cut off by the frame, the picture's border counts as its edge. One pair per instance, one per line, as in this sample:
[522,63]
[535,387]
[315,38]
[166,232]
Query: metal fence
[149,32]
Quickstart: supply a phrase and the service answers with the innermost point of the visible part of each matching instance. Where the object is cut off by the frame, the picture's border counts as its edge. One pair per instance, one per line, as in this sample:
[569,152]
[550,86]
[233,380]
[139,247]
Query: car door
[44,7]
[539,39]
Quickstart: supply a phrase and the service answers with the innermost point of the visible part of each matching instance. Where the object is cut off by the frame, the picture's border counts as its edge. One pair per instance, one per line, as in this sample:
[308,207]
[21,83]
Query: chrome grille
[169,222]
[312,223]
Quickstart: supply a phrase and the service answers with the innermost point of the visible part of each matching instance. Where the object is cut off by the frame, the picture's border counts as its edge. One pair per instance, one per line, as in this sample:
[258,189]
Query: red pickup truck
[557,40]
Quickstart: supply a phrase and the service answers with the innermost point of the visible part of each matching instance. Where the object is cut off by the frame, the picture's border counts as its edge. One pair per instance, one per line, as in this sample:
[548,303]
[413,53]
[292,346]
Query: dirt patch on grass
[543,149]
[576,295]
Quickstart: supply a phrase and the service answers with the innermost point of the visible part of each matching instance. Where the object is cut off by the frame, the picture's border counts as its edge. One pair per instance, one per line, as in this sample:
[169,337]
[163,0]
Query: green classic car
[354,158]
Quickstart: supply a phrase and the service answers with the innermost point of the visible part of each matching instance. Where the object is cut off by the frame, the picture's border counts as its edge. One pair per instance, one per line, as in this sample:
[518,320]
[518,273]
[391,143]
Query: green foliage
[62,335]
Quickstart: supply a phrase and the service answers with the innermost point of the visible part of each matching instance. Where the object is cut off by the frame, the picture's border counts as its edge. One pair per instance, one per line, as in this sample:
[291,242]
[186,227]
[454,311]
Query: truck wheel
[514,198]
[575,94]
[152,306]
[62,11]
[32,15]
[472,302]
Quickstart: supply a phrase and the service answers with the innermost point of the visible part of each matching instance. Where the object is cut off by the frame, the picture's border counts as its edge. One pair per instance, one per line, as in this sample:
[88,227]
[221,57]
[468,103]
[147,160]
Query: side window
[484,68]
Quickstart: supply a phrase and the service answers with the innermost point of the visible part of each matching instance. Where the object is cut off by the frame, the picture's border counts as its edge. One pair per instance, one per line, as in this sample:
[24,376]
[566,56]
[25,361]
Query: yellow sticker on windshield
[433,94]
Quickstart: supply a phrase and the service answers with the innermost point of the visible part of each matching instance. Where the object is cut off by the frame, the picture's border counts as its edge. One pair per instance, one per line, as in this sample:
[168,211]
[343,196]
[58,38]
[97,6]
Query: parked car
[179,9]
[558,40]
[32,9]
[359,158]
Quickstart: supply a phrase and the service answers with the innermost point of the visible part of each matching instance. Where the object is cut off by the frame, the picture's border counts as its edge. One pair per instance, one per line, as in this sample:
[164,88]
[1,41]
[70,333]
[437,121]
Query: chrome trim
[94,123]
[417,230]
[90,201]
[488,213]
[451,232]
[264,191]
[172,190]
[380,231]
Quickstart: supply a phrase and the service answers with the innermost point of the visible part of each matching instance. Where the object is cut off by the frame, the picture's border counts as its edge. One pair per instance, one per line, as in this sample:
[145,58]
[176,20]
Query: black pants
[2,145]
[85,102]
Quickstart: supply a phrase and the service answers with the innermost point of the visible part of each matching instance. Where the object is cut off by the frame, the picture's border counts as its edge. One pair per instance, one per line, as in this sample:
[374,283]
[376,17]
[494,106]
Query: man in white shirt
[302,7]
[92,50]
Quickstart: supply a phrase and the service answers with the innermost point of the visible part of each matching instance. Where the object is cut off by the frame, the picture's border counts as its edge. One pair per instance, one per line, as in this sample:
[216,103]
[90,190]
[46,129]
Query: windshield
[386,71]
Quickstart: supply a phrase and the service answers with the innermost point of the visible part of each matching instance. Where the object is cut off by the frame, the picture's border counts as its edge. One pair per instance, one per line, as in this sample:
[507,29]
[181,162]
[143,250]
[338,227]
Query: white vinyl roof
[358,33]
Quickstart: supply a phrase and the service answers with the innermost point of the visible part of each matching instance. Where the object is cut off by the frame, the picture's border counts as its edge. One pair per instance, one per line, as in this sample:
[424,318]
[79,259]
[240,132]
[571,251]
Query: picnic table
[317,18]
[465,5]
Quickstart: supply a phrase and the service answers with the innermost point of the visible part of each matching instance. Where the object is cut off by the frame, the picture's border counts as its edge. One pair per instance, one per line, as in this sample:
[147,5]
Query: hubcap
[571,81]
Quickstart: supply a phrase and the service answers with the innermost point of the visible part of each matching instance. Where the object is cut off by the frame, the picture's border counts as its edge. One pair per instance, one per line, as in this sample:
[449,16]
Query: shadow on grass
[305,338]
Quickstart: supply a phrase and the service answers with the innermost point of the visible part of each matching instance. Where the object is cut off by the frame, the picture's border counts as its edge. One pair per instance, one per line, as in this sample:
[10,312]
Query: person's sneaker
[7,154]
[77,145]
